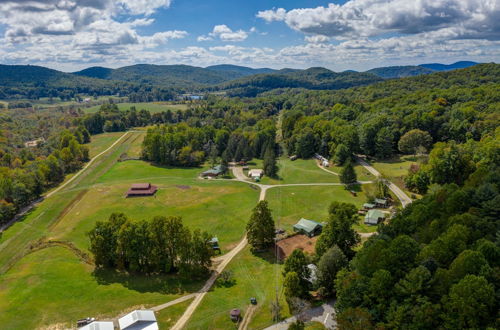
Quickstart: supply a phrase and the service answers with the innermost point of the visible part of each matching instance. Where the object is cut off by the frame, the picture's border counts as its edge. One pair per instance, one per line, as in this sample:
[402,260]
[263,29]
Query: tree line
[161,245]
[24,178]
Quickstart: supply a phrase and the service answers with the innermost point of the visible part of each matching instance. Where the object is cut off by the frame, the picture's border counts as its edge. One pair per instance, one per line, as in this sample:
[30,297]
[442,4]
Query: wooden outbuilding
[141,189]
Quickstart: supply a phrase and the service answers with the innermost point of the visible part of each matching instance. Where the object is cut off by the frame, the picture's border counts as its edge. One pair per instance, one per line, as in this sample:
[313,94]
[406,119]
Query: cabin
[141,189]
[99,325]
[213,172]
[307,227]
[373,217]
[139,320]
[381,202]
[256,174]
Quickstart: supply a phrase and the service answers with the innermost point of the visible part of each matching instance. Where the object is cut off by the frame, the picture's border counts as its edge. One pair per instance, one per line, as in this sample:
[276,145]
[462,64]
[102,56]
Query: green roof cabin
[381,202]
[373,217]
[308,227]
[213,172]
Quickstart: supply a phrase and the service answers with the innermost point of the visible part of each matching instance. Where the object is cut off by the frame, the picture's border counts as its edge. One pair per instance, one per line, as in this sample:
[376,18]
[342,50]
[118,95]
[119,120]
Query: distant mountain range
[34,81]
[389,72]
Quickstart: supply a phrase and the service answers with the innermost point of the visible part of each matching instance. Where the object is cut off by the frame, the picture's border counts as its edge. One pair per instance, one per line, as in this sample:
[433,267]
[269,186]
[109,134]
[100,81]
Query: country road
[405,200]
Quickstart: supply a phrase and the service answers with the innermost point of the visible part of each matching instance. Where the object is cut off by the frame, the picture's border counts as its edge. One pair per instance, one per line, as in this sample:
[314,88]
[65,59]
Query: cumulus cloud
[81,29]
[224,33]
[366,18]
[316,39]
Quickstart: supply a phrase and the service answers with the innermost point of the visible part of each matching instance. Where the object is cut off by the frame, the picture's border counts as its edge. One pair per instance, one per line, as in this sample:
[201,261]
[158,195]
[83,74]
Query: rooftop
[99,325]
[307,225]
[139,320]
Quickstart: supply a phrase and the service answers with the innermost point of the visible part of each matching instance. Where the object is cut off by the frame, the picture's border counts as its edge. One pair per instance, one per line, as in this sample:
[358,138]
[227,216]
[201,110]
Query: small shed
[213,172]
[256,173]
[235,314]
[373,217]
[325,163]
[139,320]
[99,325]
[307,227]
[368,206]
[293,157]
[142,189]
[381,202]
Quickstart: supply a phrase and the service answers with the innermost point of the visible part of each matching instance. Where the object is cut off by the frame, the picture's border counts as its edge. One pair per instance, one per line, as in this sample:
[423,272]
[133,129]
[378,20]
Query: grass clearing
[51,286]
[220,207]
[289,204]
[168,317]
[101,142]
[152,107]
[395,169]
[253,277]
[361,173]
[298,171]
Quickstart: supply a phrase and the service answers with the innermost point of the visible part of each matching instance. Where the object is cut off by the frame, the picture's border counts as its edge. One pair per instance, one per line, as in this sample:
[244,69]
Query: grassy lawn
[101,142]
[52,286]
[361,173]
[289,204]
[150,106]
[167,317]
[253,277]
[220,207]
[395,169]
[298,171]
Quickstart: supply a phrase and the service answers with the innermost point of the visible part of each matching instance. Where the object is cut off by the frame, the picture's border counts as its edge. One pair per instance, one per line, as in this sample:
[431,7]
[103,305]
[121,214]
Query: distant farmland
[150,106]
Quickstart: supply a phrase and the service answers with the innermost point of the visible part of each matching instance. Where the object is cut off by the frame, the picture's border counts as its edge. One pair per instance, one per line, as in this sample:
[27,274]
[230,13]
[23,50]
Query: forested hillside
[313,78]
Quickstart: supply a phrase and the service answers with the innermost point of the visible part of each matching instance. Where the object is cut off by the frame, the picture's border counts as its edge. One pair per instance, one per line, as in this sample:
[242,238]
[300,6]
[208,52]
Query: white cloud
[145,7]
[366,18]
[316,39]
[224,33]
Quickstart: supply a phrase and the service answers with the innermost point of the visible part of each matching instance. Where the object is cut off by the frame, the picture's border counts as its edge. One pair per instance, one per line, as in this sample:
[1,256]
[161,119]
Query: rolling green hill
[312,78]
[400,71]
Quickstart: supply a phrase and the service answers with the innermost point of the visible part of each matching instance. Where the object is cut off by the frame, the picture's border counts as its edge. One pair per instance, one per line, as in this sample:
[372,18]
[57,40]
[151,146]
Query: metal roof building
[99,325]
[139,320]
[308,227]
[373,217]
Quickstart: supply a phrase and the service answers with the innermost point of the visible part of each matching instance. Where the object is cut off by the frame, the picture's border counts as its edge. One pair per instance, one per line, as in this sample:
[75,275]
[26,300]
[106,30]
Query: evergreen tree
[384,143]
[342,154]
[260,227]
[347,174]
[270,166]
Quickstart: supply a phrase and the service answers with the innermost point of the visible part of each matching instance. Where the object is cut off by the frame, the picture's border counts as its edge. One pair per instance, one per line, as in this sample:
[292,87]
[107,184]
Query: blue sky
[356,34]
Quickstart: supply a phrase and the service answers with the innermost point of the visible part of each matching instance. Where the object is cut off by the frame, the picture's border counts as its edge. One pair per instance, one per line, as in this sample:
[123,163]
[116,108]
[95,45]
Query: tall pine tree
[260,227]
[270,166]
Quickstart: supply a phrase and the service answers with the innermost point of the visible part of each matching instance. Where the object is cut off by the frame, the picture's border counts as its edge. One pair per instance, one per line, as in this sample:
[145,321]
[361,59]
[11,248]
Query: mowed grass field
[152,107]
[53,286]
[298,171]
[396,169]
[254,276]
[289,204]
[219,207]
[101,142]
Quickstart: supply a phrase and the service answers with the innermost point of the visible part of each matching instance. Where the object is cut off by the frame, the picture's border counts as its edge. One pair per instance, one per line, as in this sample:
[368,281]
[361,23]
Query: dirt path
[324,169]
[29,207]
[400,194]
[247,318]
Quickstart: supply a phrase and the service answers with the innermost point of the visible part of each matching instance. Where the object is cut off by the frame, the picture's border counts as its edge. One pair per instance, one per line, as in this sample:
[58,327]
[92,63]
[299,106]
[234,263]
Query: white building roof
[99,325]
[255,172]
[139,320]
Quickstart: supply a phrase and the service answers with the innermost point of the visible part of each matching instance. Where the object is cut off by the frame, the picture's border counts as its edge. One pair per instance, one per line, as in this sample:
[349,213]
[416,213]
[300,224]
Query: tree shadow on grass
[165,284]
[267,255]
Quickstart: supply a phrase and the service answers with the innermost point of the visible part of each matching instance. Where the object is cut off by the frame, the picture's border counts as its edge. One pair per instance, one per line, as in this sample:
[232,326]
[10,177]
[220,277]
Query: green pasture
[253,276]
[298,171]
[101,142]
[361,173]
[152,107]
[395,169]
[289,204]
[52,287]
[168,317]
[219,207]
